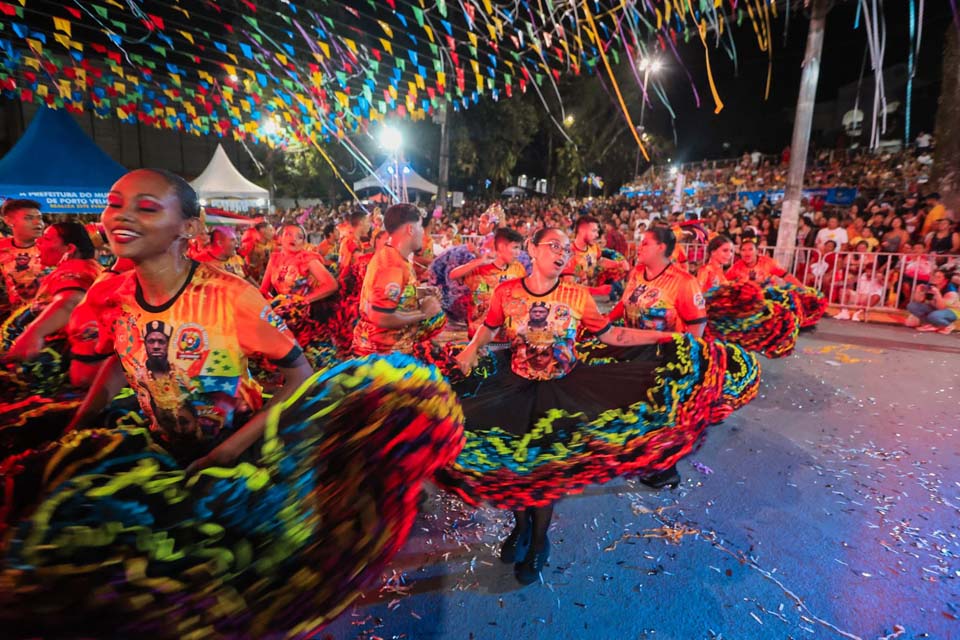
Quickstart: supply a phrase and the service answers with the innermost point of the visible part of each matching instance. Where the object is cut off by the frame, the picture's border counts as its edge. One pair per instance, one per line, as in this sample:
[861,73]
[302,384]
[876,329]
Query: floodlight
[390,139]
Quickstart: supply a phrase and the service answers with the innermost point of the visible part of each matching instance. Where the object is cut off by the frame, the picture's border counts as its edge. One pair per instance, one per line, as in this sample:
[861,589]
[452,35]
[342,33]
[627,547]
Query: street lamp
[392,141]
[271,126]
[648,66]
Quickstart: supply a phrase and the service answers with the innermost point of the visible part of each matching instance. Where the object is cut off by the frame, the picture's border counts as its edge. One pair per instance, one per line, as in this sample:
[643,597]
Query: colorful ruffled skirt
[741,313]
[454,295]
[107,537]
[45,374]
[614,276]
[622,411]
[808,303]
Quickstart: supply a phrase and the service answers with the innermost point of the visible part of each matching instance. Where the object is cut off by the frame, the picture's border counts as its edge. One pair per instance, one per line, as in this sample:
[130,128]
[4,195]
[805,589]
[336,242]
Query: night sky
[748,121]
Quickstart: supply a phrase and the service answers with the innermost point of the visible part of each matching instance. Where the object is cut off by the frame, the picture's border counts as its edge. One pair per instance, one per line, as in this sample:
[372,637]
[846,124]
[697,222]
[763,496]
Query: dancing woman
[285,510]
[781,286]
[305,293]
[66,248]
[662,295]
[550,425]
[739,312]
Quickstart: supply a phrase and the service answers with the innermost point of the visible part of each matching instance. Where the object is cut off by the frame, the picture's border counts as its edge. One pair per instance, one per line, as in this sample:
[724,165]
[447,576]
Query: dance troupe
[196,444]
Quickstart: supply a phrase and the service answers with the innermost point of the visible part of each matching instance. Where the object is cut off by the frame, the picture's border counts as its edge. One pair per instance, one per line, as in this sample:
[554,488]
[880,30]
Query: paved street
[828,508]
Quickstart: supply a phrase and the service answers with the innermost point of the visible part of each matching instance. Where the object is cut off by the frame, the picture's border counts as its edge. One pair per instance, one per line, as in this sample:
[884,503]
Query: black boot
[515,545]
[529,571]
[667,478]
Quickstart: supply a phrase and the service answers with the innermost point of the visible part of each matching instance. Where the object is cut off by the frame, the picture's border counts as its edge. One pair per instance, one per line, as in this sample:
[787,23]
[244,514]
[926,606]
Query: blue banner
[833,195]
[55,199]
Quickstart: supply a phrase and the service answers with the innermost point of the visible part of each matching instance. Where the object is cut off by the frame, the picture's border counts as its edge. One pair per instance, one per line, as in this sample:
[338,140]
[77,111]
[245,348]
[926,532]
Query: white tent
[384,174]
[223,186]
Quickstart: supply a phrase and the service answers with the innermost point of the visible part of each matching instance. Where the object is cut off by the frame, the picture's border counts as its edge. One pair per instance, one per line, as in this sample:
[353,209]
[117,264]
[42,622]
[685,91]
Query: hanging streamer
[613,81]
[718,103]
[910,72]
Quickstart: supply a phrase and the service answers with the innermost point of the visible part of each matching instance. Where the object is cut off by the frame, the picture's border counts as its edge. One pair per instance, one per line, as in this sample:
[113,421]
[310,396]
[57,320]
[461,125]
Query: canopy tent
[384,174]
[59,166]
[514,192]
[223,186]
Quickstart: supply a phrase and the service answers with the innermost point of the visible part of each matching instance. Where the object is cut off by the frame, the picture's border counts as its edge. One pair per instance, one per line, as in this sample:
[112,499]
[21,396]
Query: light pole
[392,141]
[648,66]
[802,124]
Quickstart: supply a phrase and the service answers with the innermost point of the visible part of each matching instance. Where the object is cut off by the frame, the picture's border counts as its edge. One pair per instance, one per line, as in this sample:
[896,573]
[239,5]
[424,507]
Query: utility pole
[802,123]
[443,175]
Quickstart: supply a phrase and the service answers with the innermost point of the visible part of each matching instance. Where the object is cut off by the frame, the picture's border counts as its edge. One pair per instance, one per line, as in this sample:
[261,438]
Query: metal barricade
[876,281]
[799,263]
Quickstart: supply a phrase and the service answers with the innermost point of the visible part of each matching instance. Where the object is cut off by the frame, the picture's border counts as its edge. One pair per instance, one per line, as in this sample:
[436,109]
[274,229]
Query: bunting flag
[298,75]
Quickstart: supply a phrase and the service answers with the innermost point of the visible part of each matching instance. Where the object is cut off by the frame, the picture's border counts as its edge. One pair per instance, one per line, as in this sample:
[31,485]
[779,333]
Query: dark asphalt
[828,508]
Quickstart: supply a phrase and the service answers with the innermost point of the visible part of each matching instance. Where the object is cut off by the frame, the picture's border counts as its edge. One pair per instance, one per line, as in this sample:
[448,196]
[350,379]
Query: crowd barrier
[865,281]
[858,280]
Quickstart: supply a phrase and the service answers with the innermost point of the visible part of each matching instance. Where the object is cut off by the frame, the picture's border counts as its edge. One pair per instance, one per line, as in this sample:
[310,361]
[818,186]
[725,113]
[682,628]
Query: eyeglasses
[557,248]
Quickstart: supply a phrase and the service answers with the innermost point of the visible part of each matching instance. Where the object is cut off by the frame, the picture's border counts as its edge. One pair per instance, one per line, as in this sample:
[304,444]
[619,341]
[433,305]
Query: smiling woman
[180,334]
[561,417]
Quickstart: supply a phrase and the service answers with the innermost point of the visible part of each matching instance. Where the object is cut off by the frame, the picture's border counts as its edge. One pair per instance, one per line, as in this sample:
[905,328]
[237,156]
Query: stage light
[650,65]
[391,139]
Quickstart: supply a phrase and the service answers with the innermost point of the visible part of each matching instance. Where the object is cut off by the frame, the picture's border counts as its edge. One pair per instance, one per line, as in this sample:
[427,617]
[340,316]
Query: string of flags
[327,72]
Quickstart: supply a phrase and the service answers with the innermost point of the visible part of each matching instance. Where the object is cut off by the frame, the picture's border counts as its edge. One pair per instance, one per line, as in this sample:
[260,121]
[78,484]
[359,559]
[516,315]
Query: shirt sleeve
[495,317]
[705,277]
[775,268]
[690,305]
[388,284]
[97,305]
[261,330]
[592,320]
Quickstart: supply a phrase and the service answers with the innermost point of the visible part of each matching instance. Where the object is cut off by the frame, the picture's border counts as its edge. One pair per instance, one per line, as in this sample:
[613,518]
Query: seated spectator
[833,232]
[918,266]
[897,238]
[943,239]
[935,306]
[866,236]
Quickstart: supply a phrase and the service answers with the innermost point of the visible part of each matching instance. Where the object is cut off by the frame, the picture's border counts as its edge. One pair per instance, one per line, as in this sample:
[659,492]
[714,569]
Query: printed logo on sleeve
[392,291]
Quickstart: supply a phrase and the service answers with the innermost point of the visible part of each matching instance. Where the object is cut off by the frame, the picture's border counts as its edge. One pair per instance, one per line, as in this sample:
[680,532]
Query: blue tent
[56,164]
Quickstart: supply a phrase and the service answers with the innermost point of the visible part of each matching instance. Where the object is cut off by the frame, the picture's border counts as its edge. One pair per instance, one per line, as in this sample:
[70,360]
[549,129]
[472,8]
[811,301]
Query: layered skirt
[105,536]
[743,313]
[621,411]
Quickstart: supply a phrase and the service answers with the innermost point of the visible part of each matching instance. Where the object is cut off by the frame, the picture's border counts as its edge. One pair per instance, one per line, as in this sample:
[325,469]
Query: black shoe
[669,478]
[528,571]
[514,547]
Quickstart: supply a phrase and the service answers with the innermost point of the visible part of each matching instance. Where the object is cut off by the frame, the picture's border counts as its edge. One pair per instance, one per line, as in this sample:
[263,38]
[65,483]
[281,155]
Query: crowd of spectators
[874,252]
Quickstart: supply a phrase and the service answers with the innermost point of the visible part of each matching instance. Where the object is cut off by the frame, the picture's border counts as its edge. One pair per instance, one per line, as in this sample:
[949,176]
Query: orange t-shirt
[234,264]
[348,247]
[668,301]
[389,285]
[711,276]
[542,329]
[187,359]
[765,269]
[291,272]
[584,266]
[21,272]
[76,274]
[326,248]
[482,282]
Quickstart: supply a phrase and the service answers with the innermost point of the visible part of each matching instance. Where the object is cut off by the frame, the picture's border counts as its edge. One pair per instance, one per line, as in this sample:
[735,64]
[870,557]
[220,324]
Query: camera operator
[935,306]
